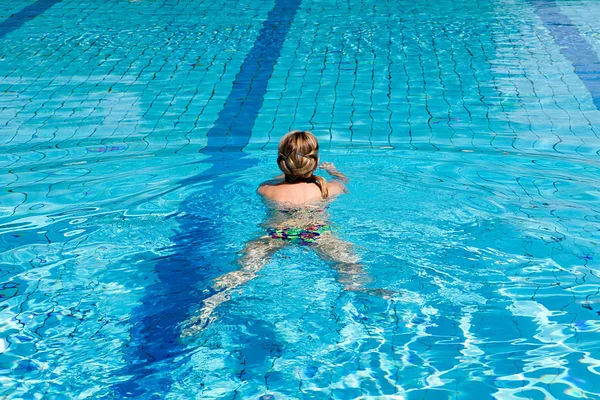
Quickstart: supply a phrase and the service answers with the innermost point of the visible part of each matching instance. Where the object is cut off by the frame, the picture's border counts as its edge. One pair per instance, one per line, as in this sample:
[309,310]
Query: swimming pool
[134,134]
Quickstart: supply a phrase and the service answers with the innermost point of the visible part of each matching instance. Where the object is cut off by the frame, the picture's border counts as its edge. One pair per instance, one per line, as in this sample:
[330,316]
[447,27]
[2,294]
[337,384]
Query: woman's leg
[255,256]
[347,264]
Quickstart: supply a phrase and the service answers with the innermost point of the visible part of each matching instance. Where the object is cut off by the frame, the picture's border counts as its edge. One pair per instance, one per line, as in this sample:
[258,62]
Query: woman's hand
[331,170]
[327,166]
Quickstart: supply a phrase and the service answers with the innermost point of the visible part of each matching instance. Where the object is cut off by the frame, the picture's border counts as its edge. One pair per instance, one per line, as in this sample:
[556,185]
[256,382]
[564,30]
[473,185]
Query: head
[298,158]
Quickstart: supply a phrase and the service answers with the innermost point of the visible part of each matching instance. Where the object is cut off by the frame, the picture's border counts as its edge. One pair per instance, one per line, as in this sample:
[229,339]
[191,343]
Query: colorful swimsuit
[302,236]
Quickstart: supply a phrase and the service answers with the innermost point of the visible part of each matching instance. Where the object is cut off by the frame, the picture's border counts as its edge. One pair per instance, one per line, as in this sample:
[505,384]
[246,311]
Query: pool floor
[134,134]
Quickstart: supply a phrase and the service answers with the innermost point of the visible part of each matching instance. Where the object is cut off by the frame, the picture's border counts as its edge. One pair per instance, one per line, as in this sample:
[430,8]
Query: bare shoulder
[265,189]
[269,186]
[336,187]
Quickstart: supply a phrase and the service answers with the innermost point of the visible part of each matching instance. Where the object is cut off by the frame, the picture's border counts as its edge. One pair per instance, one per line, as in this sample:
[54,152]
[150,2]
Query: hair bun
[298,157]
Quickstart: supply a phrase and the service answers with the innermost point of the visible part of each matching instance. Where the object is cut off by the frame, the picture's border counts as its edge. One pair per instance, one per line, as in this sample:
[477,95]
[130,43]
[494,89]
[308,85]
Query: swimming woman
[298,202]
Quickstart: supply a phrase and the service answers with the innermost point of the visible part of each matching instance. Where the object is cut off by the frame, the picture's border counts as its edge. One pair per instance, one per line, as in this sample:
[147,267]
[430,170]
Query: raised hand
[327,166]
[330,168]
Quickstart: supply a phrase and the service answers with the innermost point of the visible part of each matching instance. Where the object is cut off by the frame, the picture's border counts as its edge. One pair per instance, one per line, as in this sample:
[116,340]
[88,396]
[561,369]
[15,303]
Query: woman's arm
[331,170]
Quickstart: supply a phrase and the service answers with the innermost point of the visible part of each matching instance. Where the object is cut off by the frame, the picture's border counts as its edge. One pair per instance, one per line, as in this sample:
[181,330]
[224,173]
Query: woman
[298,202]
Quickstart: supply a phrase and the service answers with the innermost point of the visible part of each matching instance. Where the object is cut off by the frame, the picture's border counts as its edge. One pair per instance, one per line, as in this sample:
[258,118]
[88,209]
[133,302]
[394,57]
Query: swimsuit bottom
[301,236]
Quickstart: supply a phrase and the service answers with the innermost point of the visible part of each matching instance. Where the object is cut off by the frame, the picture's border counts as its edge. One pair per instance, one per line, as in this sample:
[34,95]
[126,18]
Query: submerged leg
[347,264]
[254,257]
[350,272]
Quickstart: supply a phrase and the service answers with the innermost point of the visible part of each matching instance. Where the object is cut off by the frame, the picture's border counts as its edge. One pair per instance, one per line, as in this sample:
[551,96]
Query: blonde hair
[298,159]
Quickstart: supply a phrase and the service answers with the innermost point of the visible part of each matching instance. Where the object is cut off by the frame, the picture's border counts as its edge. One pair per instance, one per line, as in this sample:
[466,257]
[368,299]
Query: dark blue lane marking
[572,45]
[236,120]
[28,13]
[155,348]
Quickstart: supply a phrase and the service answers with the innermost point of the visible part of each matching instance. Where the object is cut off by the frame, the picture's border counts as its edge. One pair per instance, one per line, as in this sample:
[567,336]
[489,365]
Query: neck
[292,179]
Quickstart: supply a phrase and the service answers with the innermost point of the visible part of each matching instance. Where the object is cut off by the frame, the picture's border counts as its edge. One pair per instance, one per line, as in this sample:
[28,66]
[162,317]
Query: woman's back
[298,193]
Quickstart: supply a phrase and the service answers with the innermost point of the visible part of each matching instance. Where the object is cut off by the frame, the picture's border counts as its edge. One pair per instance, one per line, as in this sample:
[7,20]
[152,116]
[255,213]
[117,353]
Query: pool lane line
[572,45]
[182,276]
[28,13]
[233,127]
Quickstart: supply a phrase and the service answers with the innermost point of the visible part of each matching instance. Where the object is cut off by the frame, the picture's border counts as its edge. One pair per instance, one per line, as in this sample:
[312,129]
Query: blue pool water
[134,135]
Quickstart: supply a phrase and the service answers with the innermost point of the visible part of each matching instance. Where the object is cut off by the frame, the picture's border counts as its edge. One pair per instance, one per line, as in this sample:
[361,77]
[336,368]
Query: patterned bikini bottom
[301,236]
